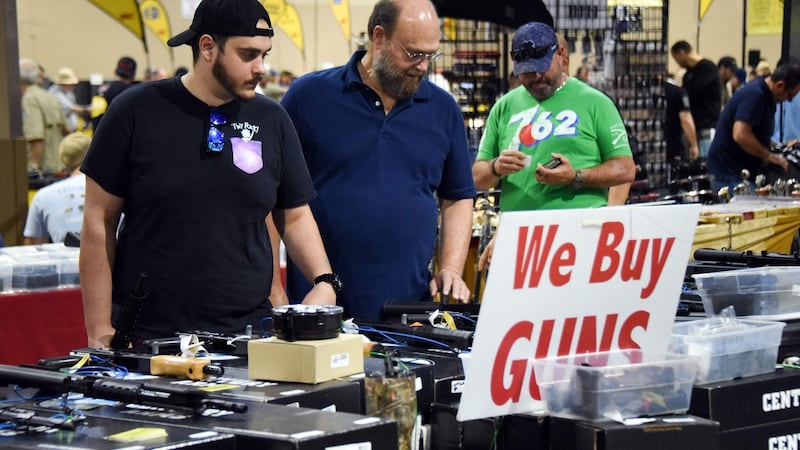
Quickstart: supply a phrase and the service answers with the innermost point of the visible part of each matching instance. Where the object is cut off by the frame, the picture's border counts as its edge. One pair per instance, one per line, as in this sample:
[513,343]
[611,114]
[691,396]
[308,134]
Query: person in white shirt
[58,208]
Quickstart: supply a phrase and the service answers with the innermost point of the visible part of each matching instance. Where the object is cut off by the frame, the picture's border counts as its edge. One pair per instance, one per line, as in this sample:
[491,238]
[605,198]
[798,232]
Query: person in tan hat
[58,208]
[64,90]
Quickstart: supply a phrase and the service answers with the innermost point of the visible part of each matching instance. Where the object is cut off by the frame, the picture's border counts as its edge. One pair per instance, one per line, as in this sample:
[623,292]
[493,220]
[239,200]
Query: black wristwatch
[332,279]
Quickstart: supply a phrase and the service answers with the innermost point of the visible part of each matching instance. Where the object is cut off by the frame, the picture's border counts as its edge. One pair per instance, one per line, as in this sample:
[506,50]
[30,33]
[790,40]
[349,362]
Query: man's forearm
[37,152]
[302,239]
[748,142]
[96,261]
[277,295]
[482,173]
[687,125]
[610,173]
[618,195]
[456,233]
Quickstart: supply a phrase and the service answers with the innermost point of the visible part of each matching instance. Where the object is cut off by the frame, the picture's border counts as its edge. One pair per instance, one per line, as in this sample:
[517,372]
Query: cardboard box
[665,433]
[305,361]
[749,401]
[778,435]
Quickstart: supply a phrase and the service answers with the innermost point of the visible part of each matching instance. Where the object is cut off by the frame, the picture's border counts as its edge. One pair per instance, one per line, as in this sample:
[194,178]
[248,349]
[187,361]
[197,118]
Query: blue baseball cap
[533,47]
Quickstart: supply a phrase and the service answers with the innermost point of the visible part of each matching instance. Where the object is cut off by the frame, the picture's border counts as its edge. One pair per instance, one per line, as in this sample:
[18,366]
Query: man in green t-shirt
[551,116]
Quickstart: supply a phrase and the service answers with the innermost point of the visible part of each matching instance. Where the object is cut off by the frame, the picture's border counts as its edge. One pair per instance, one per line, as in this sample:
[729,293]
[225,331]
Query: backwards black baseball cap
[226,18]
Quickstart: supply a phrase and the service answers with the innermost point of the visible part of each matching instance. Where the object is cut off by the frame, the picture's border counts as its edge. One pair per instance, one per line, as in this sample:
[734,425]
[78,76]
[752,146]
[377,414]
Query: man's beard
[394,81]
[220,74]
[546,91]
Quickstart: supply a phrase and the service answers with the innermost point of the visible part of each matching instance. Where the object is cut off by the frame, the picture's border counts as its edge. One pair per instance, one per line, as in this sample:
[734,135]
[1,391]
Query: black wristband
[494,171]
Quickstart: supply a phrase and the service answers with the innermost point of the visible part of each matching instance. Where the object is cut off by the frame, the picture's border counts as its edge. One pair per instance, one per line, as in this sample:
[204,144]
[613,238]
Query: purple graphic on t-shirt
[247,155]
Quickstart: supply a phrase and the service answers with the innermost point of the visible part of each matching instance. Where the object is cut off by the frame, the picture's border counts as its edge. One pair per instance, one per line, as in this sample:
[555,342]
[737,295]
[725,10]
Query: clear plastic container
[755,291]
[17,250]
[68,273]
[616,385]
[36,271]
[726,351]
[6,269]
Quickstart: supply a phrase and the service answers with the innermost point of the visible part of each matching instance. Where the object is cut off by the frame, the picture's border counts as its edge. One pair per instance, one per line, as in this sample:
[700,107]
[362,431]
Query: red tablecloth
[35,325]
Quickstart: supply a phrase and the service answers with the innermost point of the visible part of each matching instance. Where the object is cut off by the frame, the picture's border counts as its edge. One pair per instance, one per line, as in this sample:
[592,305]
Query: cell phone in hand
[552,164]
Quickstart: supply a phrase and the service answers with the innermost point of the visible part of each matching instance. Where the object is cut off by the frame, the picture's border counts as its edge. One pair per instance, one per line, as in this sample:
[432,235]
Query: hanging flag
[704,4]
[449,28]
[126,12]
[290,22]
[155,19]
[285,16]
[341,9]
[275,8]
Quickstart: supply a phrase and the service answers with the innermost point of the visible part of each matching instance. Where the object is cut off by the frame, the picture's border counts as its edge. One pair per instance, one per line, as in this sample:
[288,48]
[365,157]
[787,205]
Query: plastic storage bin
[68,272]
[616,385]
[34,272]
[6,269]
[757,291]
[740,349]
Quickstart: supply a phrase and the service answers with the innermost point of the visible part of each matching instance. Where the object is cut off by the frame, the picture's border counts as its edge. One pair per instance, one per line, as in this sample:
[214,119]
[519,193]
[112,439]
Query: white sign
[568,282]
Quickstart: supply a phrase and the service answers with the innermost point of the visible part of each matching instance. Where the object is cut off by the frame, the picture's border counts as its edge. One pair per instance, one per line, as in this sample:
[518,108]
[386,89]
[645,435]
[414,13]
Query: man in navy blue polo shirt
[742,137]
[383,144]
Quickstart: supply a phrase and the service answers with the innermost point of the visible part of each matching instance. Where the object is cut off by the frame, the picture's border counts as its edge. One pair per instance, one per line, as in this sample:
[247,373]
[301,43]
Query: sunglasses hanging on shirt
[216,138]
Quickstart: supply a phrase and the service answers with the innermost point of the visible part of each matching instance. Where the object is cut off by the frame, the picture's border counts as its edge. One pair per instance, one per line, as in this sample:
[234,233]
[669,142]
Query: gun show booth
[578,343]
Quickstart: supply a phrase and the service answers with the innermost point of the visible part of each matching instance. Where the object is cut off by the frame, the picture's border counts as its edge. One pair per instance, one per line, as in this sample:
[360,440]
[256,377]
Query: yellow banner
[341,9]
[275,8]
[126,12]
[285,16]
[449,28]
[155,19]
[704,5]
[290,22]
[764,17]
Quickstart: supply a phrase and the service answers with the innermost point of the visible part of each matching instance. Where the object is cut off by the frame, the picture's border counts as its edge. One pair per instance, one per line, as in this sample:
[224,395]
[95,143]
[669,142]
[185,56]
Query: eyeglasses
[216,138]
[529,50]
[418,57]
